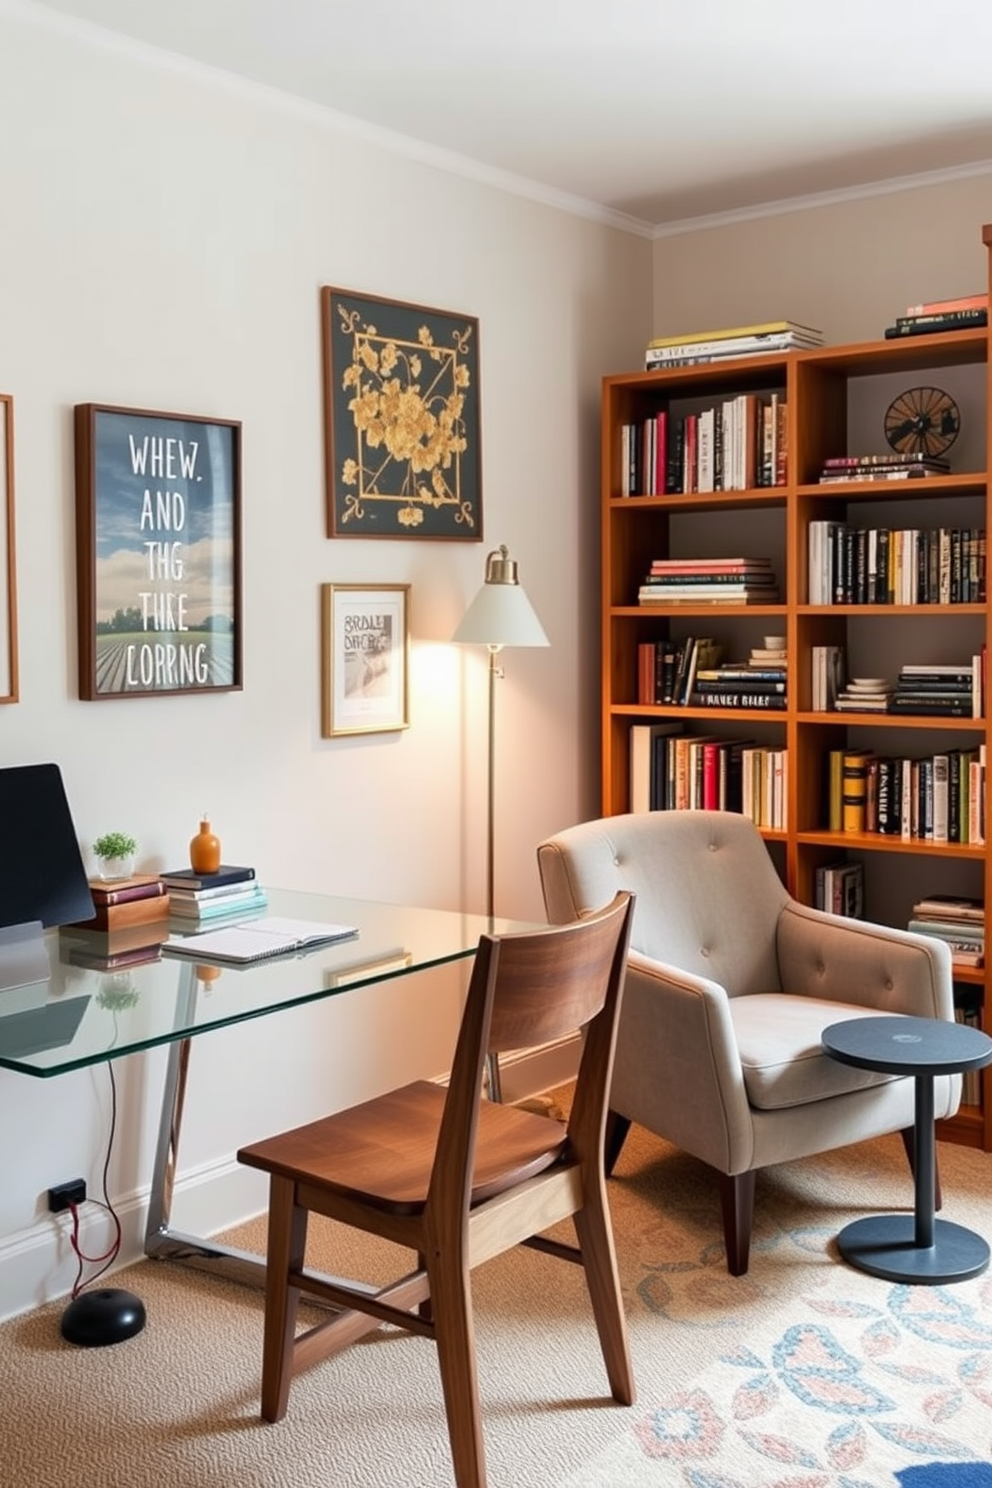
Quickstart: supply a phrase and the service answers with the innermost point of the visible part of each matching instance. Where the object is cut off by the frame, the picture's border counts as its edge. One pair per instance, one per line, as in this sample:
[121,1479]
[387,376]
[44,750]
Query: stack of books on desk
[206,898]
[142,899]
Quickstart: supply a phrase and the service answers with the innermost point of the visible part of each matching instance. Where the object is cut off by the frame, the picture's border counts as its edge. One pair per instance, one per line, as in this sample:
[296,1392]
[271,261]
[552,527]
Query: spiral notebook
[257,940]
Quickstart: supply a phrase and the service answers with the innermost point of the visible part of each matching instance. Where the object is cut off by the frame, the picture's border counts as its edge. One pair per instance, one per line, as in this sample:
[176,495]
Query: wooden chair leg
[737,1204]
[286,1246]
[617,1128]
[909,1143]
[454,1334]
[599,1261]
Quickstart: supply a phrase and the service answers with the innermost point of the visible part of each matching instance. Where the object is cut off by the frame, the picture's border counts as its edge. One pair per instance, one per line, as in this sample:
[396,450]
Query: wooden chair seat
[457,1179]
[382,1152]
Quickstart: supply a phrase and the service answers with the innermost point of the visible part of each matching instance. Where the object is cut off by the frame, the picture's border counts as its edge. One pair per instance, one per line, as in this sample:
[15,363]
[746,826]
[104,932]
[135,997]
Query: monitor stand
[23,955]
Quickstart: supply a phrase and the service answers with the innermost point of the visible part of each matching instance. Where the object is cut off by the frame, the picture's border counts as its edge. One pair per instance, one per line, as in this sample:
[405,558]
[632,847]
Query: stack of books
[209,898]
[864,695]
[964,313]
[706,581]
[940,691]
[772,337]
[740,685]
[840,468]
[142,899]
[959,922]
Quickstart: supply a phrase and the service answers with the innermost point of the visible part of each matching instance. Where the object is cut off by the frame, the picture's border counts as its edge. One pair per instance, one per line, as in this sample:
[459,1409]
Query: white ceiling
[660,110]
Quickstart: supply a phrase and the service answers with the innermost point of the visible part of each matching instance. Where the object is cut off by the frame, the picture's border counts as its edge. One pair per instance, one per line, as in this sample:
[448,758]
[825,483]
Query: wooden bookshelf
[835,399]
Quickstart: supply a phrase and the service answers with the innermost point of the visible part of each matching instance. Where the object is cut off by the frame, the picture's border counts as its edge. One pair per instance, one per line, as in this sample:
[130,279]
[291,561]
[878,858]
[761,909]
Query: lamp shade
[501,614]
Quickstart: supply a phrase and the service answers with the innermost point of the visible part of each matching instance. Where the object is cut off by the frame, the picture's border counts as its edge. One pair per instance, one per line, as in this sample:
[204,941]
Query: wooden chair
[459,1179]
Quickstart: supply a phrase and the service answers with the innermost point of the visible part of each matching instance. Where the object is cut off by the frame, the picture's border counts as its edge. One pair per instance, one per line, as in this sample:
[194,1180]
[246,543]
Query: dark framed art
[8,567]
[365,643]
[401,419]
[158,552]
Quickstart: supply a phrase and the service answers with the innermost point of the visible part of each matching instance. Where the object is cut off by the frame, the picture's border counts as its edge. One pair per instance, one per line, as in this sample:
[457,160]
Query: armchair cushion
[782,1060]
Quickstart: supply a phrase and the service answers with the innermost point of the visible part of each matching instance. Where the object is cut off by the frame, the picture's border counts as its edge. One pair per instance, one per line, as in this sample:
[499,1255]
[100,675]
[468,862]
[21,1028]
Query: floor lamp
[499,615]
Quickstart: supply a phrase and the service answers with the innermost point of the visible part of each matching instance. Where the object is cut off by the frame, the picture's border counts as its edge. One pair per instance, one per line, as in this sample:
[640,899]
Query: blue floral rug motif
[871,1386]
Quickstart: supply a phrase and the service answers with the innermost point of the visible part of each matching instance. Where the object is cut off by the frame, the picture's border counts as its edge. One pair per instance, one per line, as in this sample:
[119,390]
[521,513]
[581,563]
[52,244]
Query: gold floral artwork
[403,457]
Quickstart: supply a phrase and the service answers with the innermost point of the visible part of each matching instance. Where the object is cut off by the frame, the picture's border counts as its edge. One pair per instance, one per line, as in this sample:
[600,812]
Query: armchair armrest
[870,966]
[692,1086]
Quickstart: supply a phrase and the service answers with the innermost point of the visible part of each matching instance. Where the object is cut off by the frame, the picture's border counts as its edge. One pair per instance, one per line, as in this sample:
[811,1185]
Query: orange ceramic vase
[204,850]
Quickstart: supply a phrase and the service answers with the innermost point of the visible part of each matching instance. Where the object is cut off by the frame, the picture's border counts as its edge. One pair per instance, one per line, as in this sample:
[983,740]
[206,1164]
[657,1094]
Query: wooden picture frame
[401,419]
[158,552]
[365,643]
[8,566]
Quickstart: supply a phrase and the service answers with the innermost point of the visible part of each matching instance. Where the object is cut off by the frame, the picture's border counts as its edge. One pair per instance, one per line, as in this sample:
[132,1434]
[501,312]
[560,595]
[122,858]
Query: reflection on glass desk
[64,1022]
[84,1015]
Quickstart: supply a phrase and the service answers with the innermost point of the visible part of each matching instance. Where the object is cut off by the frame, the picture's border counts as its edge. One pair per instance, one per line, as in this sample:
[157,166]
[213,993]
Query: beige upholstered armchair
[730,982]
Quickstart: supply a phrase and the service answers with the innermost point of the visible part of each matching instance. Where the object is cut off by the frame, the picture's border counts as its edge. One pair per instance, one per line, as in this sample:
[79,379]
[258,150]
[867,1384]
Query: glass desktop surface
[83,1015]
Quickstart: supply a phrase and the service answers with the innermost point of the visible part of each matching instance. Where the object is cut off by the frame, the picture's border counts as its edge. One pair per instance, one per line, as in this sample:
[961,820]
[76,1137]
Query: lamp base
[96,1319]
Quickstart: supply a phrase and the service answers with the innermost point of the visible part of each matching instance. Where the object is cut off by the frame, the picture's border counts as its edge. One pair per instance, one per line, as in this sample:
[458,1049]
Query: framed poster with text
[8,585]
[158,552]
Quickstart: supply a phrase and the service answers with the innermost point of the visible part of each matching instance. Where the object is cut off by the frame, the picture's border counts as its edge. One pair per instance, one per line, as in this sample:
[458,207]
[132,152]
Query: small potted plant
[115,851]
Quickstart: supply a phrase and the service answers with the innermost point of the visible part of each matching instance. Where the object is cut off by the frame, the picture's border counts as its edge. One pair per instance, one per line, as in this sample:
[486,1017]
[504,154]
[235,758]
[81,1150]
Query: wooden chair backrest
[528,989]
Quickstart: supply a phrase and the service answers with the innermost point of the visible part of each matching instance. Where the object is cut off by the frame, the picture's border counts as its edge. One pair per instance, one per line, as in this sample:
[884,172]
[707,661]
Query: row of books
[767,338]
[958,921]
[937,798]
[840,468]
[734,581]
[839,888]
[674,771]
[909,566]
[733,446]
[666,670]
[681,673]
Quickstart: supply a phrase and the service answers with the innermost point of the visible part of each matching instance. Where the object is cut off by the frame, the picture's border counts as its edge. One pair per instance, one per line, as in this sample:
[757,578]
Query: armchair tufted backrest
[708,898]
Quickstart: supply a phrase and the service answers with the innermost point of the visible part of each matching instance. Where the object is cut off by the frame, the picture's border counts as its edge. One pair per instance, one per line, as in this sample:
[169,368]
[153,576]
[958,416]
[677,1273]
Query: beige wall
[848,268]
[163,238]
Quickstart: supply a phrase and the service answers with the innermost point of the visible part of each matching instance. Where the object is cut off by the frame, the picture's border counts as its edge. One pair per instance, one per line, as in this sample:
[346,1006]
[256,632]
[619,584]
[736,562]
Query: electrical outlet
[65,1194]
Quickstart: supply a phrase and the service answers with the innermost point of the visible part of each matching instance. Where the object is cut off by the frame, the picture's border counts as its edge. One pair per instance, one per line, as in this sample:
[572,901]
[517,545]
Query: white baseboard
[38,1265]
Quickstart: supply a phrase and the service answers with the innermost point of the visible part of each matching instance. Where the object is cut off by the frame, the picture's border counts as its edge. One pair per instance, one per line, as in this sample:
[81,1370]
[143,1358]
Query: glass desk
[63,1022]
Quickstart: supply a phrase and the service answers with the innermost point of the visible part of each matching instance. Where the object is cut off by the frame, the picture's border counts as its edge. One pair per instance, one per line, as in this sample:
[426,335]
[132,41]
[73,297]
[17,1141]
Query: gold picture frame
[8,568]
[365,642]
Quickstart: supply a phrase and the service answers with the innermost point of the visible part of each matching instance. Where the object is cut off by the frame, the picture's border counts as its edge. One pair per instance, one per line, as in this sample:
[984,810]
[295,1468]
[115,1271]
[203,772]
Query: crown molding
[823,199]
[450,161]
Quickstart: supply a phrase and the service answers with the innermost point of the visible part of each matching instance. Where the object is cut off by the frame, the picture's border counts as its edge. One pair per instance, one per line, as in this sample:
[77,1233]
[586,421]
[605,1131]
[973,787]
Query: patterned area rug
[866,1383]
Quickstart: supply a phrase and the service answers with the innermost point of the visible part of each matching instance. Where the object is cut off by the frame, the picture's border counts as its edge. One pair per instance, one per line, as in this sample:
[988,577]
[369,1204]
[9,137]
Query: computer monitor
[42,876]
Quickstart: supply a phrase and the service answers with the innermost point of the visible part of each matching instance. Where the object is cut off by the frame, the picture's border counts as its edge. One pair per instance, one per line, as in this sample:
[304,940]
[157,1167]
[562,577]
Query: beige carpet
[803,1374]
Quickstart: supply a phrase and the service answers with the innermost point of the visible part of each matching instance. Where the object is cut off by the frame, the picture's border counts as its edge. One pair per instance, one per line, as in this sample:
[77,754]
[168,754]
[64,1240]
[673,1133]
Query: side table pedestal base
[885,1245]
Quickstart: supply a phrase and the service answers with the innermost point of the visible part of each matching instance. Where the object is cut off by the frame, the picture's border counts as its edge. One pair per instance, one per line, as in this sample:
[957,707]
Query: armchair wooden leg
[599,1262]
[737,1204]
[909,1142]
[286,1246]
[454,1333]
[617,1127]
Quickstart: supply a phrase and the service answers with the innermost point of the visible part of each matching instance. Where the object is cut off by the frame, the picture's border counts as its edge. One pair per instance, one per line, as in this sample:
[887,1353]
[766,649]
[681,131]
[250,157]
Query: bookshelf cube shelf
[829,402]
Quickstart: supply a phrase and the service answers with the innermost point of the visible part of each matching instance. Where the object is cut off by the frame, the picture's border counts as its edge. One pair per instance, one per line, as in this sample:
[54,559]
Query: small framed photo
[158,552]
[401,419]
[8,585]
[365,643]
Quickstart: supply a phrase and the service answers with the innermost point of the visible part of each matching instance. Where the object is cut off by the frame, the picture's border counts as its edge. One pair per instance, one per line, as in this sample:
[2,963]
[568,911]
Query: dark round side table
[915,1247]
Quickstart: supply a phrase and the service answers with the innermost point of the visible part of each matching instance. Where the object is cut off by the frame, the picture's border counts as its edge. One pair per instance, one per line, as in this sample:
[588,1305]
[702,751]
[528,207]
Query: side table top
[908,1046]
